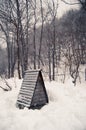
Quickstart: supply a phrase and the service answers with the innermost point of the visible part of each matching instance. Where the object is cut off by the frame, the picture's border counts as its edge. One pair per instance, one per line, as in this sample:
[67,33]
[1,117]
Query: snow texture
[66,109]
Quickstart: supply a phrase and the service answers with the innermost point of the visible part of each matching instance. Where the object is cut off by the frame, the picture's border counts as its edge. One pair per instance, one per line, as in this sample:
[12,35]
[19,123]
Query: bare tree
[74,37]
[14,19]
[5,23]
[53,12]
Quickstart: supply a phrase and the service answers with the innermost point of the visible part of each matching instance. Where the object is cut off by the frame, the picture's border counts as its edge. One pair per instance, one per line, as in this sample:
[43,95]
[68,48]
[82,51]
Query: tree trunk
[49,62]
[34,37]
[18,55]
[41,36]
[54,47]
[26,46]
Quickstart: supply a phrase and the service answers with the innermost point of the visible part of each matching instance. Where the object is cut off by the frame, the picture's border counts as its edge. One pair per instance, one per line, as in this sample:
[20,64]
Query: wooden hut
[32,92]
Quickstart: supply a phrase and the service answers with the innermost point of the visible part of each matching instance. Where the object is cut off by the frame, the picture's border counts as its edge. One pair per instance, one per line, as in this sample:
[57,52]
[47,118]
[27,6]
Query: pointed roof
[28,86]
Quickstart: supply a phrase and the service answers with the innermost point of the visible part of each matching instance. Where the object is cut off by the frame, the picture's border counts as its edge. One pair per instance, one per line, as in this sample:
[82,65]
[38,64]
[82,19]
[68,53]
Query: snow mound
[66,109]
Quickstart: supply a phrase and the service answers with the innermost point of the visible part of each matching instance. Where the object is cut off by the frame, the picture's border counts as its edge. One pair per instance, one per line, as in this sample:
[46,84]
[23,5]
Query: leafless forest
[36,39]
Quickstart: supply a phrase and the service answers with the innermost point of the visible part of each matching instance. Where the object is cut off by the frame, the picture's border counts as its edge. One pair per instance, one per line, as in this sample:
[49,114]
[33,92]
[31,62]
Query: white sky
[65,7]
[62,7]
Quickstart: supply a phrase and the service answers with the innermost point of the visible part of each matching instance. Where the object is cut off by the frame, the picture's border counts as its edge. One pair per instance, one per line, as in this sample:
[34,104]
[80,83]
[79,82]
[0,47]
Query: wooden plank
[42,102]
[25,97]
[41,97]
[38,103]
[35,70]
[20,103]
[30,94]
[28,85]
[28,82]
[32,73]
[30,77]
[31,88]
[24,100]
[26,89]
[40,94]
[23,103]
[39,89]
[24,93]
[27,92]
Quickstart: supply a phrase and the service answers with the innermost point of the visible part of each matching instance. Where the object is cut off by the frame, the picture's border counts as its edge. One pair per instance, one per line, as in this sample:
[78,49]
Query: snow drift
[66,109]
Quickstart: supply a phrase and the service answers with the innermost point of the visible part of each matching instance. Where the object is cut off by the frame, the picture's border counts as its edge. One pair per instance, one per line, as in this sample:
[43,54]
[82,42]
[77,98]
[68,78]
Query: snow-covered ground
[66,109]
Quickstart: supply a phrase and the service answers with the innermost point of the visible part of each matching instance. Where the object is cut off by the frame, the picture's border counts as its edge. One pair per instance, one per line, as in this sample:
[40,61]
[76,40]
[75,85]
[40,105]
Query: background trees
[35,38]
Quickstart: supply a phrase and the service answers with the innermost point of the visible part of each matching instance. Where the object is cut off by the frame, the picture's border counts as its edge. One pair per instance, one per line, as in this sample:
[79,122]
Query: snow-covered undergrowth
[66,109]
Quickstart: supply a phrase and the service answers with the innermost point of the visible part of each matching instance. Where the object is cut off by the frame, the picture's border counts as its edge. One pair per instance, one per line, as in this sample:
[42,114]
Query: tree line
[36,38]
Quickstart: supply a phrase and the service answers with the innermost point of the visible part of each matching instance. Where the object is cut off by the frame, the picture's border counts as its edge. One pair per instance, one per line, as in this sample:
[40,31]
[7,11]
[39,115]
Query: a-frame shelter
[32,92]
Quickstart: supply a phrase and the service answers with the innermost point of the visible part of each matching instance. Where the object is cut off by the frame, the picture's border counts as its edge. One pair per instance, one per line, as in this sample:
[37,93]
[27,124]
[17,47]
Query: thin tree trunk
[26,46]
[41,36]
[13,58]
[49,62]
[54,47]
[18,55]
[34,37]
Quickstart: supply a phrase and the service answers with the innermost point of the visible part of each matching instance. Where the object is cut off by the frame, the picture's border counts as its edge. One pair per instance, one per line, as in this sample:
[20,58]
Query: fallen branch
[7,84]
[4,88]
[9,87]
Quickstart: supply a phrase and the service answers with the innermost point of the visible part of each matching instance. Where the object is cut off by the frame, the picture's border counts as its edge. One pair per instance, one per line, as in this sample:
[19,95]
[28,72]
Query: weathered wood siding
[27,88]
[39,97]
[32,92]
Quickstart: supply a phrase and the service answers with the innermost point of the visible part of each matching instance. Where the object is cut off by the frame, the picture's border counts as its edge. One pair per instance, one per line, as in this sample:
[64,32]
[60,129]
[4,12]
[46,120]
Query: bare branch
[6,85]
[3,88]
[70,3]
[80,2]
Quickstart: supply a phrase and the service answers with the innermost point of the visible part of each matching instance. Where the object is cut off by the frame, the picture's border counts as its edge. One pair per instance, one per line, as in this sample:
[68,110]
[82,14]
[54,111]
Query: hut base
[37,106]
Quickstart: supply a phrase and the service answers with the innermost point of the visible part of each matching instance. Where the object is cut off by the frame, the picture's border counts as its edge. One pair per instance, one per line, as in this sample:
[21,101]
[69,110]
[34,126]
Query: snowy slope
[66,109]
